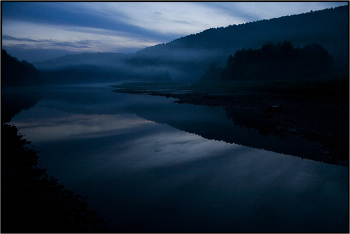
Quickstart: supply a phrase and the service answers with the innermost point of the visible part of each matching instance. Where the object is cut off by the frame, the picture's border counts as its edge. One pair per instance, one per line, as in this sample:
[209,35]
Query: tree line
[18,73]
[329,28]
[282,61]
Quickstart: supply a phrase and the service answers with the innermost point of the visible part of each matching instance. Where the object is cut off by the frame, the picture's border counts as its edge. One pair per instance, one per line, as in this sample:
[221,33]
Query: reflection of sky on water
[163,144]
[143,176]
[79,126]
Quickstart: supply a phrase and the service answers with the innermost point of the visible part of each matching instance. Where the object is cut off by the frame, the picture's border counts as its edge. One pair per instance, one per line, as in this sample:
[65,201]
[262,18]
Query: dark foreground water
[148,164]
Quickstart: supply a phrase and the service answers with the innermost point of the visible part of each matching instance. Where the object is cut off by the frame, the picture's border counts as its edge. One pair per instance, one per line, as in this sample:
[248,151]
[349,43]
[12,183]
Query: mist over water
[148,164]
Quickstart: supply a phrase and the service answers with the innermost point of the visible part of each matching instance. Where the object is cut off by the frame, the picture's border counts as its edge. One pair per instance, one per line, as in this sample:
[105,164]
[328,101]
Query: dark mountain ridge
[328,28]
[18,73]
[187,58]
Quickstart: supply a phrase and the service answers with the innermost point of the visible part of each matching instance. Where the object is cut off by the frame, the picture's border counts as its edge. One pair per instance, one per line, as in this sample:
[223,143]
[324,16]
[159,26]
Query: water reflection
[14,100]
[143,176]
[232,125]
[248,119]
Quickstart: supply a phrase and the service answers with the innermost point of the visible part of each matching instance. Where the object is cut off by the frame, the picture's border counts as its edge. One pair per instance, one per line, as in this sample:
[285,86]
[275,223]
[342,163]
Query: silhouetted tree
[316,59]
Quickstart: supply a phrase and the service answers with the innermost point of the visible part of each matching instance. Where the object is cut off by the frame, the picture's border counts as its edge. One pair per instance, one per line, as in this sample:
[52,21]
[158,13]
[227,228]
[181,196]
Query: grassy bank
[32,201]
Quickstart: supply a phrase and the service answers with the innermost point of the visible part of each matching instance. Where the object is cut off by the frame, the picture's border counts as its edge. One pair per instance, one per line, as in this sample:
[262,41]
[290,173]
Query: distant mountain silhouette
[98,67]
[95,59]
[18,73]
[188,58]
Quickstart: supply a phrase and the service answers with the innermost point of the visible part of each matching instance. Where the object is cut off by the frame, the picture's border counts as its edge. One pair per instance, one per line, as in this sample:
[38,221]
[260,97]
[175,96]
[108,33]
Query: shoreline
[33,201]
[320,121]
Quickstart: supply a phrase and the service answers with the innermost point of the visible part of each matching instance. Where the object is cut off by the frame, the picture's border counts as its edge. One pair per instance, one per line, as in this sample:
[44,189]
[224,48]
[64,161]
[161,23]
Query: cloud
[42,43]
[161,20]
[7,37]
[128,26]
[253,11]
[71,38]
[173,17]
[83,15]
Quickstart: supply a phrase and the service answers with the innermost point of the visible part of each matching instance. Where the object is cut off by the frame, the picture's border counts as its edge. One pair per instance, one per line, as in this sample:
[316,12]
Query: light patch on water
[168,148]
[78,126]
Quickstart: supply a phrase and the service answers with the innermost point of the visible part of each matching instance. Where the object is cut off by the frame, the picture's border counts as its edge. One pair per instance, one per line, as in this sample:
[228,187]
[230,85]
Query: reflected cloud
[79,126]
[171,147]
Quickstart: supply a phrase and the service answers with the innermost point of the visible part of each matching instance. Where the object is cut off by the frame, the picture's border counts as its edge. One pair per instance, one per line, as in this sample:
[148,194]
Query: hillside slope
[328,28]
[18,73]
[187,58]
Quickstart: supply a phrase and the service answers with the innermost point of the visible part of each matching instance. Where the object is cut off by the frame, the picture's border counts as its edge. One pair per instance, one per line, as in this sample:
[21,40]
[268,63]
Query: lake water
[148,164]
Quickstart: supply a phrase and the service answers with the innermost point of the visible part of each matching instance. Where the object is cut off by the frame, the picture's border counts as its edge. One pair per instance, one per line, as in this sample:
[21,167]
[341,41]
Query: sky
[36,31]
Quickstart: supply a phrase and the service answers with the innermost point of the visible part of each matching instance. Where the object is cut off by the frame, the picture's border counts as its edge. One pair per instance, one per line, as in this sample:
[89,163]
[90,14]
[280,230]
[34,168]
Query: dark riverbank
[320,120]
[33,201]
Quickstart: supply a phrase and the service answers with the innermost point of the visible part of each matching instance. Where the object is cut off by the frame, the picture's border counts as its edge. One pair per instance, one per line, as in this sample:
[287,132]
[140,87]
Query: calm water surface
[148,164]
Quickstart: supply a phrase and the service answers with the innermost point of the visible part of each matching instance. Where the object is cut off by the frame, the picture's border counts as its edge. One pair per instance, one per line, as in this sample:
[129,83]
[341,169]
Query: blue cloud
[233,10]
[72,44]
[60,13]
[108,22]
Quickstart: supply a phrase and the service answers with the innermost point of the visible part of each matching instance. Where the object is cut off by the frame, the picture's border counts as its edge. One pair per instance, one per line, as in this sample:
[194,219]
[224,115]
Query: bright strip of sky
[41,30]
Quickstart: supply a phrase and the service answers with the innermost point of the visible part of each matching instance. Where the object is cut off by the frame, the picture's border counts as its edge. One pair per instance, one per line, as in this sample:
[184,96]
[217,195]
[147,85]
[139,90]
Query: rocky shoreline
[323,122]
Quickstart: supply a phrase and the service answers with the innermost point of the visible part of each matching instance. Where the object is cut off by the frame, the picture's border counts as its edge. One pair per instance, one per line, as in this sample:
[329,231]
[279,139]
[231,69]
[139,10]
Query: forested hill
[274,62]
[188,58]
[321,27]
[328,28]
[18,73]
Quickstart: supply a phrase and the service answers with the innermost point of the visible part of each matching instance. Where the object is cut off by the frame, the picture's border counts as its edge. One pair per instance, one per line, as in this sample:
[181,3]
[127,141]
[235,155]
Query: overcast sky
[37,31]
